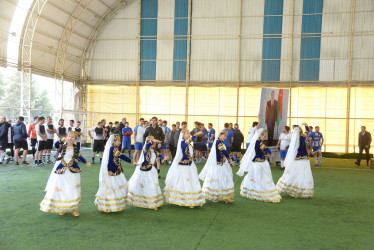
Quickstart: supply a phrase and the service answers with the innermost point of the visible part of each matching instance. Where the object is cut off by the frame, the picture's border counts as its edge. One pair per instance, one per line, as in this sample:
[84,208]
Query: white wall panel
[335,41]
[115,53]
[214,43]
[298,20]
[251,42]
[363,5]
[362,69]
[165,40]
[363,42]
[363,58]
[286,41]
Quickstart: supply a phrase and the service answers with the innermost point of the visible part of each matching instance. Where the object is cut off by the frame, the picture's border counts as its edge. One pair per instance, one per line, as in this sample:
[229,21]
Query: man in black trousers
[158,134]
[4,128]
[271,117]
[174,136]
[364,141]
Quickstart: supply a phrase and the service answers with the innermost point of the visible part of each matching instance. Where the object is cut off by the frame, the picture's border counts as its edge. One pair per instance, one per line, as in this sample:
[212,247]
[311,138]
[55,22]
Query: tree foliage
[10,89]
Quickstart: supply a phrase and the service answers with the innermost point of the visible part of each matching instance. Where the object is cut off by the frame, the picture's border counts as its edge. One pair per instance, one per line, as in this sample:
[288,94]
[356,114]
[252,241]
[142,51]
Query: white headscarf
[212,159]
[141,158]
[177,158]
[104,182]
[293,147]
[247,160]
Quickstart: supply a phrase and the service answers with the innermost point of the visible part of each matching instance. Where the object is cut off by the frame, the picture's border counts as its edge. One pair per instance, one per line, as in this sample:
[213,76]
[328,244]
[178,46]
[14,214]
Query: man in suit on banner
[271,117]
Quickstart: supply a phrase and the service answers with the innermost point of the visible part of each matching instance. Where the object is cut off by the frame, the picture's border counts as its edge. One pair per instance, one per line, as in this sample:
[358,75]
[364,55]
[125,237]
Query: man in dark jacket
[364,141]
[20,140]
[237,143]
[4,128]
[155,131]
[174,136]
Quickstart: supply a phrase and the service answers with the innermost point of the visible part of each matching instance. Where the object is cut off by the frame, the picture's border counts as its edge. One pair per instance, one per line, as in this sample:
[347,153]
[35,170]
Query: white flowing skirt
[63,192]
[218,183]
[144,189]
[258,184]
[111,197]
[183,187]
[297,180]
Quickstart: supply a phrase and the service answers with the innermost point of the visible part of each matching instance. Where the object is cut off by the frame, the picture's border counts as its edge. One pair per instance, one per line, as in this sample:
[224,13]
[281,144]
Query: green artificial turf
[341,216]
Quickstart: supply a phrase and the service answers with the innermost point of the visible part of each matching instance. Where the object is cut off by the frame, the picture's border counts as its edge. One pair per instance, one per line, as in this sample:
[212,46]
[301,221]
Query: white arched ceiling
[63,33]
[7,9]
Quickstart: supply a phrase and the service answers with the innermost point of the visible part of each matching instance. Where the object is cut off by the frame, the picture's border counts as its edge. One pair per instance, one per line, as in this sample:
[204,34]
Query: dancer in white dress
[217,173]
[144,189]
[258,183]
[182,182]
[297,179]
[63,190]
[112,193]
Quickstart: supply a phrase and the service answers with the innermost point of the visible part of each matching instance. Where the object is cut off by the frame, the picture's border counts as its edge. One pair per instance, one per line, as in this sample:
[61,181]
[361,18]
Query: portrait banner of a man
[273,112]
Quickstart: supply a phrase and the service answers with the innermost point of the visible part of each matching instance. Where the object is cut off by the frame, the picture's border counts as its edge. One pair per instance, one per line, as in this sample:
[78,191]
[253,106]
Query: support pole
[239,59]
[349,78]
[138,68]
[188,72]
[291,59]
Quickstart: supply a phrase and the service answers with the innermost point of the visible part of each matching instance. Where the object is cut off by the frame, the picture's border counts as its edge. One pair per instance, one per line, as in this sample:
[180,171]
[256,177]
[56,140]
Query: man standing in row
[121,126]
[99,138]
[174,136]
[42,138]
[211,137]
[32,135]
[80,133]
[237,143]
[126,143]
[50,136]
[20,140]
[139,131]
[155,131]
[4,128]
[61,133]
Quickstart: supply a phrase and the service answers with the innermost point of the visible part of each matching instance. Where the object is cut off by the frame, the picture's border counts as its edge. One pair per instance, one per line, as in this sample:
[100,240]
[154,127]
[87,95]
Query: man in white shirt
[10,140]
[51,131]
[252,131]
[99,140]
[283,144]
[139,131]
[41,137]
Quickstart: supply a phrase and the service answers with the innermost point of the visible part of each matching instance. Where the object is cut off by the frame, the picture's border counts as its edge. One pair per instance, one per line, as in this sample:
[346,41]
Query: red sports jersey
[32,130]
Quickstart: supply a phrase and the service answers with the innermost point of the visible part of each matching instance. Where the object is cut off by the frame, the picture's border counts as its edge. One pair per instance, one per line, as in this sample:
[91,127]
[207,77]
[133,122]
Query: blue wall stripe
[310,40]
[148,40]
[272,40]
[180,40]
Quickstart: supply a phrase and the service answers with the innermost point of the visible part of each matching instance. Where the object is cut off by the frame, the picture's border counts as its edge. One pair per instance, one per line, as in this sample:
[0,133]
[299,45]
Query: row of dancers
[182,185]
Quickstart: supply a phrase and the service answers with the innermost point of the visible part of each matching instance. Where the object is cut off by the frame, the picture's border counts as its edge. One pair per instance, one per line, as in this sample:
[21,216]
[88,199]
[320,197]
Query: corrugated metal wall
[266,33]
[115,56]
